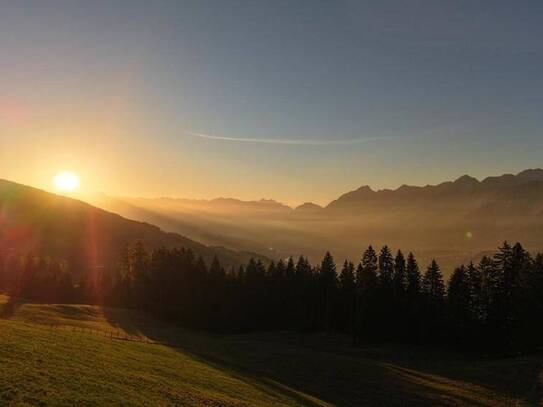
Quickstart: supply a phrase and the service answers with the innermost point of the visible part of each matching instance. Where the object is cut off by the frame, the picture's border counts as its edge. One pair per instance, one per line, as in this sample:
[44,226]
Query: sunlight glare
[66,181]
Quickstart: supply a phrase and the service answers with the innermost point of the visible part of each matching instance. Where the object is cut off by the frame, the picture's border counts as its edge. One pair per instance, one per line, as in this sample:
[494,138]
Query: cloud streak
[294,142]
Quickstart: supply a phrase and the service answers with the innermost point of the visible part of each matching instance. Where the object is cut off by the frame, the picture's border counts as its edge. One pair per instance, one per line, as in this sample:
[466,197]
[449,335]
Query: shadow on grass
[314,376]
[321,370]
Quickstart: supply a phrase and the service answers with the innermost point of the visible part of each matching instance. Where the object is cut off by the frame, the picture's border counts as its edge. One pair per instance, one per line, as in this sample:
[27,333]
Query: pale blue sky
[297,100]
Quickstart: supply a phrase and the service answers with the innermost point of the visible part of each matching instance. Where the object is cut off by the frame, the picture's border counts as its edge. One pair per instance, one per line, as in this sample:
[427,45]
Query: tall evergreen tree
[305,295]
[290,269]
[346,277]
[359,276]
[520,304]
[135,273]
[303,268]
[328,283]
[367,297]
[386,267]
[369,262]
[366,274]
[413,276]
[216,272]
[475,283]
[535,281]
[459,306]
[433,286]
[433,290]
[347,285]
[414,321]
[400,278]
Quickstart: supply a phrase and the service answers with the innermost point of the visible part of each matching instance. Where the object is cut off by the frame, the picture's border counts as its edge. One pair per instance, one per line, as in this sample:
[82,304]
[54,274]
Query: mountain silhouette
[466,194]
[308,207]
[433,220]
[38,222]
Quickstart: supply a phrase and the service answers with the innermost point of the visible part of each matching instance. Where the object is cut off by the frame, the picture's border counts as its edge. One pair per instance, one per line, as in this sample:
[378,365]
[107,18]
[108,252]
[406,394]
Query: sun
[66,181]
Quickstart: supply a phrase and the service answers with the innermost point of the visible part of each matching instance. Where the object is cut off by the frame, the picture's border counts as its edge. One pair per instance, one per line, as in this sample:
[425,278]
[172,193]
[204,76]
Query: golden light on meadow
[66,181]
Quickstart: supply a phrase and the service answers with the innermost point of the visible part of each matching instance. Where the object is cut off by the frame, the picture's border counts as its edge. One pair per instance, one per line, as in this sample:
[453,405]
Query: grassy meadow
[64,355]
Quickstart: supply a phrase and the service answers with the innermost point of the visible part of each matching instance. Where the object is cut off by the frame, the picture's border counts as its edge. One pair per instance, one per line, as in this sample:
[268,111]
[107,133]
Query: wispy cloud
[306,142]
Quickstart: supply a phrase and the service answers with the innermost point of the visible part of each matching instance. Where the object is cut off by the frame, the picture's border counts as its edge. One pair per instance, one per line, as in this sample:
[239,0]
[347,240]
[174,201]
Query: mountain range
[523,191]
[453,221]
[490,189]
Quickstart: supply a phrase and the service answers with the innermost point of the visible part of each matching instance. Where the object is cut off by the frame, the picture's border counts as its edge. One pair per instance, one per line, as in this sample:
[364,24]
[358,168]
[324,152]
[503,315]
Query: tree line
[36,278]
[494,306]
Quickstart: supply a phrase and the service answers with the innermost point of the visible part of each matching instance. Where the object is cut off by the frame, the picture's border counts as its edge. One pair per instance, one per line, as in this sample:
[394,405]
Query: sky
[292,100]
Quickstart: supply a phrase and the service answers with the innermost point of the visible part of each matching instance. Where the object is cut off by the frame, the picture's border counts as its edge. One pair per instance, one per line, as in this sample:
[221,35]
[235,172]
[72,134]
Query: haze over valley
[454,222]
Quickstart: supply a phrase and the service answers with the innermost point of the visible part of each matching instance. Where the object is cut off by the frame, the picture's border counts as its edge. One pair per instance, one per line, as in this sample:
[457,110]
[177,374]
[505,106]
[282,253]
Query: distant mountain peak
[466,180]
[532,174]
[308,206]
[270,202]
[364,188]
[365,197]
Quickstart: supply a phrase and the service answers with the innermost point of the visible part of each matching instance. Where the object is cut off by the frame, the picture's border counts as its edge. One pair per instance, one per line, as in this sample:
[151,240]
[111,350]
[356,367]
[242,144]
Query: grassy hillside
[40,364]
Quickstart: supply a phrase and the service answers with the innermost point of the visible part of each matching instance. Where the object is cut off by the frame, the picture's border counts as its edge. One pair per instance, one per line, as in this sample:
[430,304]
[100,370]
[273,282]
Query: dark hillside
[32,220]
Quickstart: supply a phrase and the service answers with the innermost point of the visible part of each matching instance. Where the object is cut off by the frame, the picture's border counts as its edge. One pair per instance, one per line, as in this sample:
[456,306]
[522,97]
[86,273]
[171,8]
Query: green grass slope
[41,366]
[62,366]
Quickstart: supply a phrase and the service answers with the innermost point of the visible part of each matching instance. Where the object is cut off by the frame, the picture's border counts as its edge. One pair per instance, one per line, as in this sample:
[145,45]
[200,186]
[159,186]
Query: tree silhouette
[400,278]
[386,267]
[328,284]
[432,285]
[413,276]
[347,285]
[492,307]
[433,290]
[459,303]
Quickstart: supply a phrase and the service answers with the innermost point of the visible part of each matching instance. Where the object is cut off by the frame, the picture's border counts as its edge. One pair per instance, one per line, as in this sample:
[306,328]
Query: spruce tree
[328,283]
[367,298]
[280,272]
[136,273]
[459,306]
[367,271]
[216,272]
[432,285]
[535,280]
[413,276]
[305,294]
[359,276]
[272,268]
[535,288]
[290,269]
[386,267]
[433,290]
[369,261]
[347,277]
[399,279]
[302,266]
[475,282]
[347,286]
